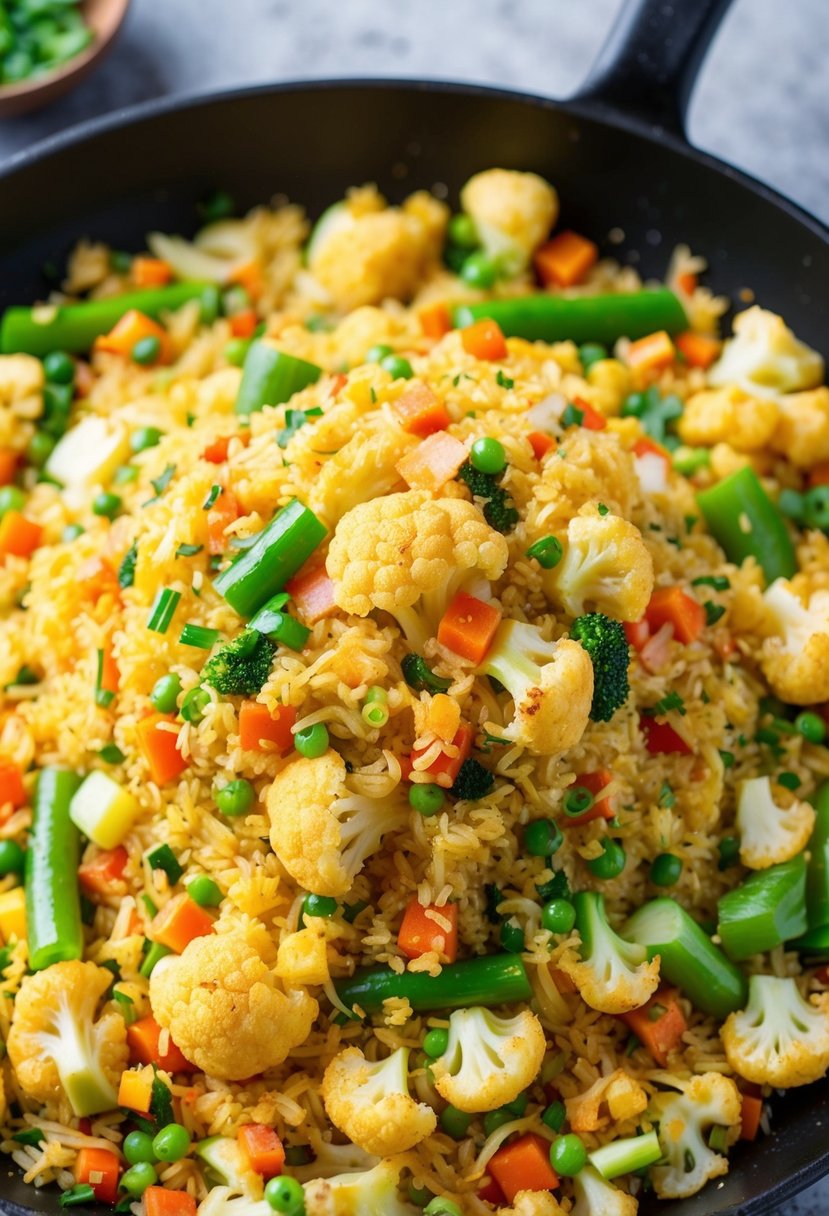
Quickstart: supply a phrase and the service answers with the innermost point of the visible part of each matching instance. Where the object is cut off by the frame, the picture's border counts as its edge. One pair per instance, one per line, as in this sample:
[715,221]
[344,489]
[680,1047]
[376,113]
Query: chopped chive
[294,419]
[154,955]
[103,696]
[163,608]
[163,858]
[76,1195]
[126,571]
[161,483]
[727,759]
[188,550]
[215,491]
[127,1006]
[110,753]
[572,416]
[502,380]
[671,701]
[713,612]
[718,581]
[279,626]
[198,635]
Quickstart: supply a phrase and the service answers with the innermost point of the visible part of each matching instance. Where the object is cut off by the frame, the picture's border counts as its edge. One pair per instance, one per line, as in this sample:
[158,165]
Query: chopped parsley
[672,700]
[294,419]
[215,491]
[713,612]
[188,550]
[502,380]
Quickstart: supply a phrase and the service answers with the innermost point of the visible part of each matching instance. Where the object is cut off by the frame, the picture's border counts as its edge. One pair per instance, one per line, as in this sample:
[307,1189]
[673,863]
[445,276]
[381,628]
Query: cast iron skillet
[617,154]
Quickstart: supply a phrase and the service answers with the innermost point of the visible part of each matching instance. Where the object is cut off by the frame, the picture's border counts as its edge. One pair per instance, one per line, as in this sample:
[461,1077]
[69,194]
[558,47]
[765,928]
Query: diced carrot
[562,980]
[602,808]
[420,411]
[637,632]
[179,922]
[700,350]
[250,277]
[158,745]
[99,876]
[420,932]
[435,320]
[257,726]
[819,474]
[224,512]
[484,340]
[243,324]
[523,1165]
[8,465]
[468,627]
[490,1192]
[99,1168]
[444,716]
[433,462]
[150,272]
[110,675]
[592,419]
[19,536]
[135,1090]
[313,594]
[132,328]
[566,259]
[687,282]
[652,352]
[216,452]
[541,444]
[96,577]
[12,790]
[649,447]
[659,1024]
[448,767]
[263,1149]
[751,1111]
[159,1201]
[673,606]
[661,738]
[143,1039]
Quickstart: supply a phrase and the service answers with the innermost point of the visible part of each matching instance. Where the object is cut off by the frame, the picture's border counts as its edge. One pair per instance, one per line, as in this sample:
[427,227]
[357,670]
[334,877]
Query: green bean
[279,550]
[742,517]
[53,912]
[496,979]
[817,875]
[271,377]
[767,909]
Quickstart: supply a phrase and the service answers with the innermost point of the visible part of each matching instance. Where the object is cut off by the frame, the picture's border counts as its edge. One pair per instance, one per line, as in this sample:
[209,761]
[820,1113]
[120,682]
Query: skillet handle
[648,65]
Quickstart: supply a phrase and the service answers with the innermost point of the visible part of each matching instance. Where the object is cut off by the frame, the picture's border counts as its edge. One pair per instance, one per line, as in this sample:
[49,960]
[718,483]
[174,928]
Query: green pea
[138,1147]
[518,1105]
[558,916]
[39,448]
[436,1042]
[568,1156]
[479,270]
[172,1143]
[11,499]
[488,456]
[137,1178]
[542,837]
[666,870]
[194,703]
[285,1195]
[236,798]
[312,741]
[512,936]
[590,353]
[427,800]
[548,552]
[146,350]
[205,892]
[376,354]
[319,905]
[792,504]
[441,1206]
[12,858]
[554,1116]
[810,726]
[419,1195]
[126,474]
[455,1122]
[816,507]
[71,532]
[610,862]
[462,232]
[144,438]
[106,504]
[494,1119]
[729,850]
[236,351]
[165,694]
[59,367]
[397,367]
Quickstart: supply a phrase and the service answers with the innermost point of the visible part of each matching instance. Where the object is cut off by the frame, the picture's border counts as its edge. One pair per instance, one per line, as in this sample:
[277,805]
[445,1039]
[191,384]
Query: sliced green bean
[496,979]
[53,911]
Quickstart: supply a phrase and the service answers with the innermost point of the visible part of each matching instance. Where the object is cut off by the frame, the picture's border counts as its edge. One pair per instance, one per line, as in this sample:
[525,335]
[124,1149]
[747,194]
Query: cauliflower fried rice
[412,745]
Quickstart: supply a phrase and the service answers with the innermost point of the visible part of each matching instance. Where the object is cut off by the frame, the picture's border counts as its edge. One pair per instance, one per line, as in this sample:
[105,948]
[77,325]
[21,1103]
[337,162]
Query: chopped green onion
[280,549]
[127,1006]
[32,1136]
[271,377]
[161,482]
[767,909]
[279,626]
[103,696]
[742,517]
[548,552]
[194,703]
[188,550]
[110,753]
[577,800]
[294,419]
[163,608]
[76,1195]
[718,581]
[215,491]
[199,636]
[154,955]
[375,711]
[163,858]
[628,1154]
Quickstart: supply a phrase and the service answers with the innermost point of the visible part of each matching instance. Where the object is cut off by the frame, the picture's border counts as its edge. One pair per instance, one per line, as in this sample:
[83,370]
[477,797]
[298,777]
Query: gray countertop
[762,101]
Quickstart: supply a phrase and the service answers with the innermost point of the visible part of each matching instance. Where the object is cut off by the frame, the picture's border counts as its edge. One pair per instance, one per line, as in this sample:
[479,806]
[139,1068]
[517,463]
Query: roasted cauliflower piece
[796,661]
[533,1203]
[21,385]
[551,684]
[373,1193]
[58,1048]
[488,1060]
[684,1119]
[623,1097]
[765,358]
[770,833]
[802,431]
[408,554]
[606,568]
[302,957]
[728,415]
[513,213]
[611,975]
[363,469]
[779,1038]
[224,1006]
[596,1197]
[321,831]
[593,468]
[370,1102]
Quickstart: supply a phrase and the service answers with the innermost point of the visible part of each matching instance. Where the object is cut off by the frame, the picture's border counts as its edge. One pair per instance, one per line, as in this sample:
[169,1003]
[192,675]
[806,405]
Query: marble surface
[762,100]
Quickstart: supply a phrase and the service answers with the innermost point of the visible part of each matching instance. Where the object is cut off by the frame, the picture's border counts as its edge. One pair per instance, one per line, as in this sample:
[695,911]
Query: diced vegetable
[135,1090]
[599,808]
[652,352]
[742,517]
[659,1025]
[468,627]
[433,463]
[602,319]
[179,922]
[271,377]
[8,466]
[279,626]
[448,767]
[673,606]
[482,338]
[765,910]
[100,875]
[151,272]
[566,259]
[131,329]
[162,857]
[435,320]
[420,411]
[541,443]
[101,1169]
[495,979]
[421,930]
[103,810]
[143,1040]
[262,1148]
[258,726]
[661,738]
[53,914]
[700,350]
[523,1165]
[313,594]
[19,536]
[87,455]
[12,790]
[751,1112]
[159,745]
[224,512]
[817,874]
[13,923]
[159,1201]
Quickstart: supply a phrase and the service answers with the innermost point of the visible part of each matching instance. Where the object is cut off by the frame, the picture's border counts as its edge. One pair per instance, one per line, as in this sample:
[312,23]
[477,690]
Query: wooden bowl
[104,17]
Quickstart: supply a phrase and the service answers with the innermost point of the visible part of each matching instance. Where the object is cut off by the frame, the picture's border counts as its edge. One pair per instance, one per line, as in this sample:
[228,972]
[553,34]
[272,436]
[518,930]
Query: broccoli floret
[605,642]
[419,676]
[472,781]
[242,665]
[126,571]
[498,510]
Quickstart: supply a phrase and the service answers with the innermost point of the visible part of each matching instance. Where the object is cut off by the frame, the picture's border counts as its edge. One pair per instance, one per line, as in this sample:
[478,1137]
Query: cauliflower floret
[321,831]
[224,1007]
[224,1201]
[728,415]
[370,1102]
[683,1121]
[606,568]
[370,1194]
[512,212]
[765,358]
[770,833]
[590,467]
[362,469]
[533,1203]
[779,1039]
[488,1060]
[302,958]
[363,252]
[802,432]
[21,384]
[596,1197]
[551,684]
[408,554]
[610,382]
[611,975]
[623,1096]
[796,664]
[56,1046]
